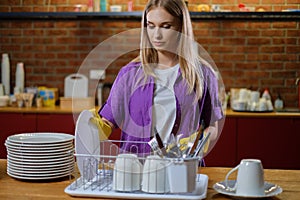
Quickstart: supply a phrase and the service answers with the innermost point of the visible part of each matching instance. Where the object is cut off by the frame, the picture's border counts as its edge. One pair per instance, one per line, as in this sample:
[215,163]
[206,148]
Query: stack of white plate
[40,156]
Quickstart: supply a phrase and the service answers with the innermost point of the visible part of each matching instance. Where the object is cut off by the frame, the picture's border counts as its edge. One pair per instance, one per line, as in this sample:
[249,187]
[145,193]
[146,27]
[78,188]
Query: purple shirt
[129,106]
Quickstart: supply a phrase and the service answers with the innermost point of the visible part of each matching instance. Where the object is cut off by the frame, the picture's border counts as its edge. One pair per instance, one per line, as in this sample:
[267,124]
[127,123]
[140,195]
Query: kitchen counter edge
[60,110]
[55,110]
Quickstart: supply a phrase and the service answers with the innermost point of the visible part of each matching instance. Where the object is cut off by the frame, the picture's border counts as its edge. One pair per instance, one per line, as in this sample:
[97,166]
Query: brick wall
[248,54]
[68,5]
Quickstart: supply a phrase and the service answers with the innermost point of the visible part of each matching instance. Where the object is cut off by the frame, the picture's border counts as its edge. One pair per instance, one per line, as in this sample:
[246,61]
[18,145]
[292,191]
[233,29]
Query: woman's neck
[166,60]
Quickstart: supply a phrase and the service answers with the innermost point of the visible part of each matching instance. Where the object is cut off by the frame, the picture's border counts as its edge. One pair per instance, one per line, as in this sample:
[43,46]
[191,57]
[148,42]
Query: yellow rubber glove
[184,141]
[104,129]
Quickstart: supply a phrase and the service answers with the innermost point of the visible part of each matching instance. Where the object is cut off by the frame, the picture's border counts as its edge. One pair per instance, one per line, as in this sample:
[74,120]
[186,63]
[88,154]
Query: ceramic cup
[239,105]
[262,105]
[250,178]
[127,173]
[155,177]
[254,96]
[269,105]
[243,94]
[215,8]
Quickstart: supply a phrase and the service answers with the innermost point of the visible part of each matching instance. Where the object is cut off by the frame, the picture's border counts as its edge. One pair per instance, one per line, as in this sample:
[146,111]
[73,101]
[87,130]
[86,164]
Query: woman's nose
[157,33]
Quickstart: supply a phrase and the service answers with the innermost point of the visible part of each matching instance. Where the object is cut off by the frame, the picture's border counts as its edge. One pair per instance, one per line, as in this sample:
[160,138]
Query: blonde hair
[187,50]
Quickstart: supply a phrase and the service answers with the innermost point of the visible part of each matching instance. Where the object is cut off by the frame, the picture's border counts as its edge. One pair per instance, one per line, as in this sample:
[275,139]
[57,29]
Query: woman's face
[163,29]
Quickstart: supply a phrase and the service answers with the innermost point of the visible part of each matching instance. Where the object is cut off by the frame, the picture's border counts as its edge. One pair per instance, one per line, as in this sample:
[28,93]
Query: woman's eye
[166,26]
[151,26]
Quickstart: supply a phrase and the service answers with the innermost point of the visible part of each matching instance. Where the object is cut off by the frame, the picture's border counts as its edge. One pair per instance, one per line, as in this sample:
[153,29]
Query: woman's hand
[213,129]
[104,128]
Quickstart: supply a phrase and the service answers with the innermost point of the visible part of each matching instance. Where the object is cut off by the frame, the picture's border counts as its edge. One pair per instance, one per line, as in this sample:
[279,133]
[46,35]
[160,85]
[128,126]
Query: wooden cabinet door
[224,152]
[62,123]
[14,123]
[275,141]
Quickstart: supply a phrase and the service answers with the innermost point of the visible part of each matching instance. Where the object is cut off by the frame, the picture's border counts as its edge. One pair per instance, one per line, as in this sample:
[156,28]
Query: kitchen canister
[20,77]
[5,73]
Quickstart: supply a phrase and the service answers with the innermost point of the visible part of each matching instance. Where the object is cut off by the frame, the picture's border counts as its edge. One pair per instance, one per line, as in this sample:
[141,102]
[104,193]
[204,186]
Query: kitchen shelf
[234,16]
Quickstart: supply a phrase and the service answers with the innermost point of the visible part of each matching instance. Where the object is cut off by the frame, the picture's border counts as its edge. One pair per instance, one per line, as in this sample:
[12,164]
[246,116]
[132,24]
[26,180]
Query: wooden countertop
[59,110]
[11,188]
[231,113]
[56,109]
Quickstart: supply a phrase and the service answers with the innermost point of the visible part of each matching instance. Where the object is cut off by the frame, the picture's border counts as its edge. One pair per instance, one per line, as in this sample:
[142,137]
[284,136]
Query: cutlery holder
[182,174]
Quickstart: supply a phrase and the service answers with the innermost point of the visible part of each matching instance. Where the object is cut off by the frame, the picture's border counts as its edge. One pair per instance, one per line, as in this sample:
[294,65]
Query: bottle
[103,5]
[130,6]
[266,95]
[5,73]
[90,6]
[96,5]
[20,77]
[278,103]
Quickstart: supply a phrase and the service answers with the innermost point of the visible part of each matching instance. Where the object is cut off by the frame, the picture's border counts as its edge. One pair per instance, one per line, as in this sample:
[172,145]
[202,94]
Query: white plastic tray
[199,193]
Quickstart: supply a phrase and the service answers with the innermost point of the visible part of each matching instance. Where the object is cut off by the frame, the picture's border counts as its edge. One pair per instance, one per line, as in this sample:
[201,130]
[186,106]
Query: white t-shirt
[164,105]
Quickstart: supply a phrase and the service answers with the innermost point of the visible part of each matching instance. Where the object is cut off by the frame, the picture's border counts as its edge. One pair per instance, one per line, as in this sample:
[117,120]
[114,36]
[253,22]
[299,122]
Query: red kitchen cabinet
[275,141]
[13,123]
[63,123]
[224,152]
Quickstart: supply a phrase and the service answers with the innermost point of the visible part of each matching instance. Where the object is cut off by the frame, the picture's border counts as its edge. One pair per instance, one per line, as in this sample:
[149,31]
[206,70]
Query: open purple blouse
[129,106]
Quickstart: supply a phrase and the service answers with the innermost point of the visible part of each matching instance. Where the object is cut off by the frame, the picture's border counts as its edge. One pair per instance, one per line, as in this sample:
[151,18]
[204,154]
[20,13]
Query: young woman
[168,89]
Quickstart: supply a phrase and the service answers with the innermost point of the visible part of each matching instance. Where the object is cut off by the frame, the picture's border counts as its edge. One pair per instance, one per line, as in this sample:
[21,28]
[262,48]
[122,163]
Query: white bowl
[115,8]
[4,101]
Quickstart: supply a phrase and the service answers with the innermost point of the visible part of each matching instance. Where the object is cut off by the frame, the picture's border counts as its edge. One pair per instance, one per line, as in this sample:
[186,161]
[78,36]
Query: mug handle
[226,179]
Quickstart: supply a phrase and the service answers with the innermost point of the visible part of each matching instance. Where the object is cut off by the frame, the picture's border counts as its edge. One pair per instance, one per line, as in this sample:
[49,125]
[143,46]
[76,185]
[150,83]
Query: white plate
[40,165]
[87,140]
[270,190]
[40,138]
[50,160]
[27,171]
[38,156]
[31,177]
[38,145]
[29,162]
[37,148]
[44,169]
[41,151]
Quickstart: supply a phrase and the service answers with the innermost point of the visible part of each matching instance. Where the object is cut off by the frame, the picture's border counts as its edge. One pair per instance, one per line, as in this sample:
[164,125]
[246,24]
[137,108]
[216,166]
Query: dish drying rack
[95,177]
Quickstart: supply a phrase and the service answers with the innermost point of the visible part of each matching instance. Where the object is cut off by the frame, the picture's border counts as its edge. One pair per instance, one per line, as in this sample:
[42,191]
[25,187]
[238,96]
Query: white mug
[254,96]
[244,94]
[127,173]
[250,178]
[155,177]
[239,105]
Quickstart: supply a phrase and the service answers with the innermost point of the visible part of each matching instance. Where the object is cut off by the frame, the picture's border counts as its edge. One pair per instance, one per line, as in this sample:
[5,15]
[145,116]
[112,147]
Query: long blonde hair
[187,50]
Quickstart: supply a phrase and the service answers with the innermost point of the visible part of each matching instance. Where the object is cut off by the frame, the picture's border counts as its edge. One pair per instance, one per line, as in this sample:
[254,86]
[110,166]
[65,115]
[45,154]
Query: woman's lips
[158,44]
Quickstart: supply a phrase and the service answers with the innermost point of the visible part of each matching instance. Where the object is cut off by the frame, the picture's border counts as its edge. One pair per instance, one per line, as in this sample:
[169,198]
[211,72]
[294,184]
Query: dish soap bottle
[278,103]
[103,5]
[266,95]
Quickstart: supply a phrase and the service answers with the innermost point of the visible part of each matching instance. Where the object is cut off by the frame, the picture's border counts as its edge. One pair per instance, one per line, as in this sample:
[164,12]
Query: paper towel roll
[20,77]
[5,73]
